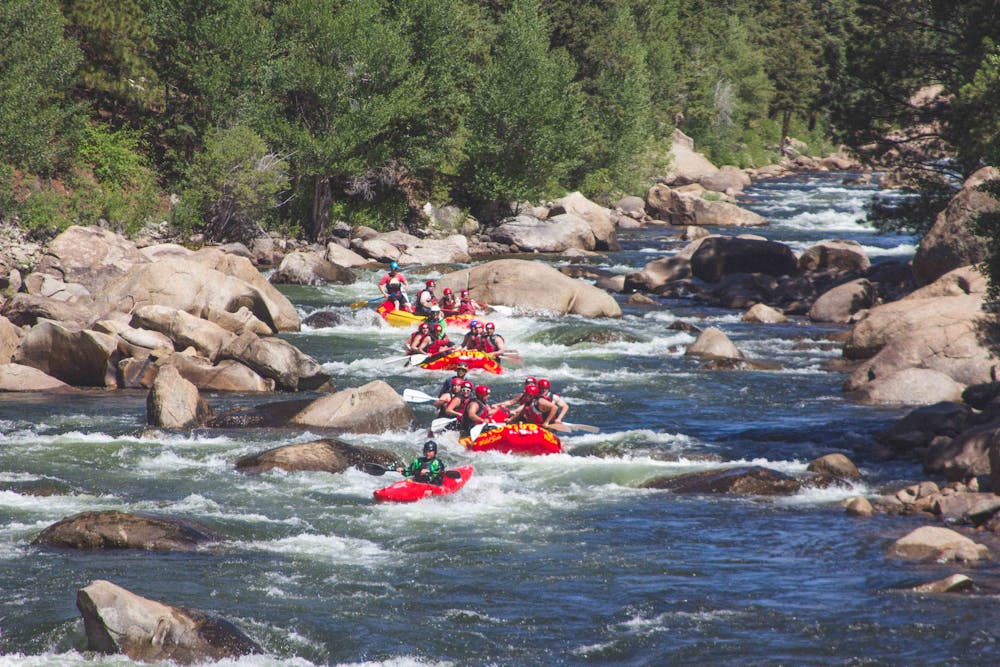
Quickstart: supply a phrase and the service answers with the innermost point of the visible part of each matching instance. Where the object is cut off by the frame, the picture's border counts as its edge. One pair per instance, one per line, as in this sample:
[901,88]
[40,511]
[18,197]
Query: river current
[556,560]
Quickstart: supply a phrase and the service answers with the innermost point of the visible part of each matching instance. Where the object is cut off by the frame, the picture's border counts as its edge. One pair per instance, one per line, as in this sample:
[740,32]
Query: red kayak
[472,358]
[408,491]
[529,439]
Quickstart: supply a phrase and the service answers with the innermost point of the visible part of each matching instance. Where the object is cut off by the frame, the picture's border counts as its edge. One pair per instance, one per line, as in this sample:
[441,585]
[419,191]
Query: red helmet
[424,326]
[466,384]
[437,328]
[490,326]
[430,283]
[530,380]
[544,384]
[482,391]
[447,290]
[457,382]
[532,390]
[465,293]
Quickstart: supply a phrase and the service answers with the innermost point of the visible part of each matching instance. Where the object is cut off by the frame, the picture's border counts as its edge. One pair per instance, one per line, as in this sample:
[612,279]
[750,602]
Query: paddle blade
[414,396]
[416,359]
[441,423]
[583,427]
[373,469]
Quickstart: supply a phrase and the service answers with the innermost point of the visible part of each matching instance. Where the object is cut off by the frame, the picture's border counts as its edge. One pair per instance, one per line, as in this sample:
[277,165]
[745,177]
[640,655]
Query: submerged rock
[111,529]
[753,480]
[331,456]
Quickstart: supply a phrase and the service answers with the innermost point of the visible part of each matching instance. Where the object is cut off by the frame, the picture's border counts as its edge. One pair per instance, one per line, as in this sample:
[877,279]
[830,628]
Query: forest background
[228,118]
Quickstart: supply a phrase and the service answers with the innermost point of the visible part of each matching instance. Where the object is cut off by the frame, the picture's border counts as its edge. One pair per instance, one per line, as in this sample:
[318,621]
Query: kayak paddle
[362,304]
[378,470]
[415,396]
[582,427]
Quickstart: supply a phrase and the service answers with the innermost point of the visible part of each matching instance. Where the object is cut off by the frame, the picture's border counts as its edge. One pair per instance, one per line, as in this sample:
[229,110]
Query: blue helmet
[393,265]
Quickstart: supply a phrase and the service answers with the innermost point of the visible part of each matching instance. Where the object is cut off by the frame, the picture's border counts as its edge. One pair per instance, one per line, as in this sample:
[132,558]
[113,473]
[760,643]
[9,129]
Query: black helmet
[430,446]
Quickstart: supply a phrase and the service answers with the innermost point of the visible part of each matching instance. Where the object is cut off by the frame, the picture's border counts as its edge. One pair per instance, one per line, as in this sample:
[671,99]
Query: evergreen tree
[116,76]
[36,67]
[524,123]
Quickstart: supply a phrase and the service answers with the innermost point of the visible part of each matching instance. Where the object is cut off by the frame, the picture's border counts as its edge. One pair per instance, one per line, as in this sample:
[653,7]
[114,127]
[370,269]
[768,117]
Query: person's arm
[474,415]
[548,409]
[382,285]
[499,343]
[452,408]
[563,407]
[443,399]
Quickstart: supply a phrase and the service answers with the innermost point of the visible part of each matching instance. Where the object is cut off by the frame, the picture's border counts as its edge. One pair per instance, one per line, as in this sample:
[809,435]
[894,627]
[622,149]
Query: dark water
[558,560]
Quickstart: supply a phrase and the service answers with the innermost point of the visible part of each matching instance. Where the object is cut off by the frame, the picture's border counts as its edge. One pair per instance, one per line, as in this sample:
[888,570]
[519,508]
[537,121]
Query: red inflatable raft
[528,439]
[408,491]
[472,358]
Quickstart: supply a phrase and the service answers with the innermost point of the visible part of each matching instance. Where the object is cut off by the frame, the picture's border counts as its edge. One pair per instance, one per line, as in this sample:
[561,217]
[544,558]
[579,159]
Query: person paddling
[476,412]
[426,298]
[467,305]
[471,339]
[448,303]
[520,398]
[562,407]
[461,370]
[440,341]
[456,406]
[427,468]
[435,316]
[419,339]
[491,342]
[534,409]
[393,286]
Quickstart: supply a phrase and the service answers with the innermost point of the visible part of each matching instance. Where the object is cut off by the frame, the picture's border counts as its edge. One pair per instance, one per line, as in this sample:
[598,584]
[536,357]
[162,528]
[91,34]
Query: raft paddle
[361,304]
[415,396]
[441,423]
[582,427]
[477,430]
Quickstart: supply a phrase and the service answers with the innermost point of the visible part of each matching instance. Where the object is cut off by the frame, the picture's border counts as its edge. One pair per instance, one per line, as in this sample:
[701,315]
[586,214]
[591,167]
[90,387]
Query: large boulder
[173,402]
[712,343]
[110,529]
[16,377]
[90,256]
[950,242]
[839,255]
[557,234]
[718,256]
[341,256]
[754,480]
[184,329]
[453,249]
[964,456]
[691,206]
[275,358]
[687,165]
[938,545]
[371,408]
[77,357]
[10,338]
[309,268]
[118,621]
[598,217]
[194,288]
[532,286]
[843,301]
[25,310]
[327,455]
[227,375]
[910,386]
[658,273]
[280,312]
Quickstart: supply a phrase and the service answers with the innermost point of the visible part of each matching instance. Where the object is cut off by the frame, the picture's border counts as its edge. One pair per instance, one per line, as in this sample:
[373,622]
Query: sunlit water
[558,560]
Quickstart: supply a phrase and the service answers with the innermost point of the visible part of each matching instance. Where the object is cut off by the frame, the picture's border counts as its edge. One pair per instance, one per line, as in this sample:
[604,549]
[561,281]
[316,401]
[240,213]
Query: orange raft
[472,358]
[529,439]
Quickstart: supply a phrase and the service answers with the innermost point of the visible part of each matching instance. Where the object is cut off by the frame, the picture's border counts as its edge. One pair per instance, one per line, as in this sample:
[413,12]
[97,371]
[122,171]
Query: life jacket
[460,408]
[471,341]
[488,343]
[436,346]
[394,284]
[532,413]
[424,309]
[467,306]
[466,426]
[416,338]
[448,303]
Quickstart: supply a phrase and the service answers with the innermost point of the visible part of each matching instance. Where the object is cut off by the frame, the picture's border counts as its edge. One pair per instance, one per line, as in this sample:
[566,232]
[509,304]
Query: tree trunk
[322,198]
[786,121]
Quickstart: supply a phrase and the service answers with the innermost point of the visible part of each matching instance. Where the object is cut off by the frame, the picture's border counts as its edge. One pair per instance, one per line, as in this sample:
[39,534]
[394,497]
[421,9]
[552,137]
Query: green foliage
[525,121]
[987,225]
[36,64]
[978,117]
[113,156]
[232,187]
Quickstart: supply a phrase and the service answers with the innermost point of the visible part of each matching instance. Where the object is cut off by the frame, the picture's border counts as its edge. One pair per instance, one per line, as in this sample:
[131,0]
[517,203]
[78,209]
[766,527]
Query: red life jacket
[436,346]
[467,306]
[488,343]
[471,342]
[532,413]
[466,424]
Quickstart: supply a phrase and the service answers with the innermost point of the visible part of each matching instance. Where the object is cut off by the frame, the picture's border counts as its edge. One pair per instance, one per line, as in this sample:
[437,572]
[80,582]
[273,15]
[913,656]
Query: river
[557,560]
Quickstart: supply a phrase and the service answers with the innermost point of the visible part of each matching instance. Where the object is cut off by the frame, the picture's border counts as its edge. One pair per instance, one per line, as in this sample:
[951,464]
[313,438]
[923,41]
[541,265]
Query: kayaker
[562,406]
[471,339]
[477,411]
[419,339]
[491,342]
[440,341]
[448,303]
[427,468]
[393,286]
[426,298]
[534,409]
[461,370]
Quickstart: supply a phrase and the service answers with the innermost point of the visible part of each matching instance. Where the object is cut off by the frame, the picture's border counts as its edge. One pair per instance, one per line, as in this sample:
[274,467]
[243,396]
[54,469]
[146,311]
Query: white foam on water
[901,250]
[196,504]
[812,496]
[74,659]
[54,505]
[324,548]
